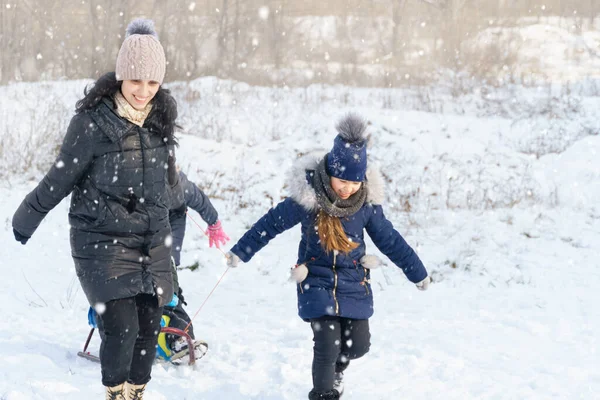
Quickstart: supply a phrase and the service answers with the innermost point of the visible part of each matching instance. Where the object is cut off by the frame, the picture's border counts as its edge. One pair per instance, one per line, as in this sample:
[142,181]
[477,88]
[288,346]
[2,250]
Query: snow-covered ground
[501,205]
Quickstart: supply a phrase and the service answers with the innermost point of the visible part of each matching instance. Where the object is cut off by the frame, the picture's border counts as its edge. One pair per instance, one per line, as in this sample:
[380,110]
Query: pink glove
[216,235]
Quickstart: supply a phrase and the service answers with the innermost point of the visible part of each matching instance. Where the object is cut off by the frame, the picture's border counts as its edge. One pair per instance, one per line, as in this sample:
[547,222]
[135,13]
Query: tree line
[268,42]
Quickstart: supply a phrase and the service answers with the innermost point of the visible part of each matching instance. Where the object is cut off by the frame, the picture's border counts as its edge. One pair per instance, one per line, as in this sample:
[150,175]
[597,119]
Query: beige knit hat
[141,55]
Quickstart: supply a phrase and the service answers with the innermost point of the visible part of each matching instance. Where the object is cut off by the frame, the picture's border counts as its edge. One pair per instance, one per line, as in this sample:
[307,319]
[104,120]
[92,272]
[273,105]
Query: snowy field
[498,195]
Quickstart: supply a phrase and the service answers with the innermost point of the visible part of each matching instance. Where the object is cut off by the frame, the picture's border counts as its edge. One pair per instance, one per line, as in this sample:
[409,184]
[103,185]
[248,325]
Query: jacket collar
[107,119]
[300,182]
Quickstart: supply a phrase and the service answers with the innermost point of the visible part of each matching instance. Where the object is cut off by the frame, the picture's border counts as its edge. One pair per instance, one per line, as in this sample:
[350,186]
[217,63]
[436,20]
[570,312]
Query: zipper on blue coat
[335,280]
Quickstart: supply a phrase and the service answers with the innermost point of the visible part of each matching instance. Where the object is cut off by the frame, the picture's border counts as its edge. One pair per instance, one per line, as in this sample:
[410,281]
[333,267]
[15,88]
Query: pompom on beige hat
[141,56]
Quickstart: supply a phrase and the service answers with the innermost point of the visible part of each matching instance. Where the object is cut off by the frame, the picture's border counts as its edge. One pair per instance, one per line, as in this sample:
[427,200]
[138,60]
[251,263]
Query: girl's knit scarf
[329,201]
[126,110]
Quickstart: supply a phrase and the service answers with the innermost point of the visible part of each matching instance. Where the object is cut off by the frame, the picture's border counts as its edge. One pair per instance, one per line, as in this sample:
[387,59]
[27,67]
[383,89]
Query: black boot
[329,395]
[338,382]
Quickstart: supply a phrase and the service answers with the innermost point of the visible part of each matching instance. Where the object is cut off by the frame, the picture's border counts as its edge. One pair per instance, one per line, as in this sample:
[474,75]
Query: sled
[175,359]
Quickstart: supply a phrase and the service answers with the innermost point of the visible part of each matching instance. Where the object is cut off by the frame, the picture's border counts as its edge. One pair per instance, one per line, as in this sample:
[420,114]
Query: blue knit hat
[347,159]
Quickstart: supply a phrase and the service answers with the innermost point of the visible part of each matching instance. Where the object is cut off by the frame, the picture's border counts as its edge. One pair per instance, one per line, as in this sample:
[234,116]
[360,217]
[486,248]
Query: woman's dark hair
[164,111]
[106,86]
[165,114]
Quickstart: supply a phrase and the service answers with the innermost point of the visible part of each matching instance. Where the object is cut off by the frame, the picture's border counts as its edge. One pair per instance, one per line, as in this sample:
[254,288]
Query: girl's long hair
[332,235]
[164,111]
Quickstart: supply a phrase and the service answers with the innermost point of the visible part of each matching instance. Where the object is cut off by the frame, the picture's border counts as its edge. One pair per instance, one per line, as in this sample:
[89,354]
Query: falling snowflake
[263,13]
[100,308]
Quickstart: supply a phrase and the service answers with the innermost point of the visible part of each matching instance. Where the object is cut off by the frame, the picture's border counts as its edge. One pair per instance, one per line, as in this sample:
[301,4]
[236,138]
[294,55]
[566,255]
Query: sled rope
[205,300]
[217,284]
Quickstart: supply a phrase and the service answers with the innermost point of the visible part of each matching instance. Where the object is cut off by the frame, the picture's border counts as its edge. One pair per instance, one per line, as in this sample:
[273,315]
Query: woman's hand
[20,238]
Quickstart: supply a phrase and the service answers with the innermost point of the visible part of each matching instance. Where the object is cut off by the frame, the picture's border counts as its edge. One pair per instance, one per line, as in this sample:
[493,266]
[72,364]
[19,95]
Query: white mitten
[232,260]
[370,261]
[424,284]
[298,273]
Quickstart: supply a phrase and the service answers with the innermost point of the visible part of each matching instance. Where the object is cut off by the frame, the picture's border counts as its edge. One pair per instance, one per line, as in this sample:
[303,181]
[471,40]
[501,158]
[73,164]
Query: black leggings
[337,341]
[129,330]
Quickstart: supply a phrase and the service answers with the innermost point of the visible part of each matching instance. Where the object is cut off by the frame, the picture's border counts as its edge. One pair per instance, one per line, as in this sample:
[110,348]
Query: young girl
[117,160]
[335,198]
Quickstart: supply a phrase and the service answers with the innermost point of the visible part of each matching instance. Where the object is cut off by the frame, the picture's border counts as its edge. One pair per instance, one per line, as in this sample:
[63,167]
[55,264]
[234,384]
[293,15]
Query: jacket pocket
[88,208]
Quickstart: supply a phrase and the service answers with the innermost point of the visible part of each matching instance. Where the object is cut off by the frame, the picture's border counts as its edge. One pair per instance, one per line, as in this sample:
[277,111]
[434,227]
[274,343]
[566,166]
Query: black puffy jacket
[118,174]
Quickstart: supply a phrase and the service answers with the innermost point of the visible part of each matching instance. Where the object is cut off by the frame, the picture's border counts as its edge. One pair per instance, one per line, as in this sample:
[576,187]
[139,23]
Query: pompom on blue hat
[347,160]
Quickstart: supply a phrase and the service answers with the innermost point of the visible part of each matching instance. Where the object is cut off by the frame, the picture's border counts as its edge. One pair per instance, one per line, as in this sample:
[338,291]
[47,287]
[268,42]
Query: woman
[335,198]
[117,159]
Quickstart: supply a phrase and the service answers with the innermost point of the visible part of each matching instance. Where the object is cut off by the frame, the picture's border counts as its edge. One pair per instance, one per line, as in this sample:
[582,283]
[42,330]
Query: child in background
[174,315]
[335,198]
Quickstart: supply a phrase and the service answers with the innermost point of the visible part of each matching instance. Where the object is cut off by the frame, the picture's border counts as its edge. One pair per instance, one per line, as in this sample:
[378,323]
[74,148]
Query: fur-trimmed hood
[302,191]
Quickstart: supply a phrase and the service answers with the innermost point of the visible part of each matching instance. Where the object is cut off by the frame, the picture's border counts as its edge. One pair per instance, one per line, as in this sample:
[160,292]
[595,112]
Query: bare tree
[222,38]
[398,8]
[6,41]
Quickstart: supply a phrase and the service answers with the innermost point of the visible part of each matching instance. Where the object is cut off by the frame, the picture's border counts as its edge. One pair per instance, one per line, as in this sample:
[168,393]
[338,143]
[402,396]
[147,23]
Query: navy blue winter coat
[198,201]
[336,284]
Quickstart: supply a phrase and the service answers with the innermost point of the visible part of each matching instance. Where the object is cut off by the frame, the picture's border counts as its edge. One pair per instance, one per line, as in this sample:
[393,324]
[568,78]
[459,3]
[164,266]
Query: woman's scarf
[127,111]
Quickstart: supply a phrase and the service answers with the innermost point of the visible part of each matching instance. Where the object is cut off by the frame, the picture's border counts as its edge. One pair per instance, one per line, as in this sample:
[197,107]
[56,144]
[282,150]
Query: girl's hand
[424,284]
[232,260]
